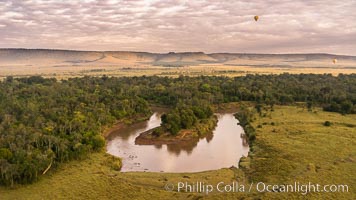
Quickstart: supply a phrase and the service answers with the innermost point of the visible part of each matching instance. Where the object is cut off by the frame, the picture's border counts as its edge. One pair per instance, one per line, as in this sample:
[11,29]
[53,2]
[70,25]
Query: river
[223,148]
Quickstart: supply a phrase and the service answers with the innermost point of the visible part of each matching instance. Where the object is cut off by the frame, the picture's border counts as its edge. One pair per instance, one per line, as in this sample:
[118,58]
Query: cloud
[180,25]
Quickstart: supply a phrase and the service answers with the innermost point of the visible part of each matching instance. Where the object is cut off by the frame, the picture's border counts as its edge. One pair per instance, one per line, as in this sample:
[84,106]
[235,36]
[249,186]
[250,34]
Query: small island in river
[181,125]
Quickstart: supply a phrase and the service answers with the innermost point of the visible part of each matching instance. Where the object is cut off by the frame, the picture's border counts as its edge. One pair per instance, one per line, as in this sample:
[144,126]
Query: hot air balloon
[334,60]
[256,18]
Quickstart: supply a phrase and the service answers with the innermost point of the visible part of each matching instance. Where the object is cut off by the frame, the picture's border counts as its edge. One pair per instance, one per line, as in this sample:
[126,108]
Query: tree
[346,107]
[309,105]
[259,108]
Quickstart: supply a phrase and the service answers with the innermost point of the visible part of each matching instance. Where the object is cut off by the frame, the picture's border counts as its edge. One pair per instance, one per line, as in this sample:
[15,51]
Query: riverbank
[124,123]
[232,107]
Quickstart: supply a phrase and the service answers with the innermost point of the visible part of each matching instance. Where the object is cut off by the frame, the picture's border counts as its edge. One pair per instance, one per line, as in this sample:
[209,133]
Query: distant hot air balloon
[256,18]
[334,60]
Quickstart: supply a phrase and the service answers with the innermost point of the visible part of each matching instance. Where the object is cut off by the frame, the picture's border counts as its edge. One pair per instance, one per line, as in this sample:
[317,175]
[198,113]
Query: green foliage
[157,132]
[259,107]
[172,122]
[113,162]
[185,117]
[98,142]
[206,126]
[5,153]
[44,120]
[245,117]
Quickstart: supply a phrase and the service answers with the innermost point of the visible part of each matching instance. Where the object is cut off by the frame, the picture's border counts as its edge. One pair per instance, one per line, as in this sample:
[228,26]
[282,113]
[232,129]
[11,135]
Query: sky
[284,26]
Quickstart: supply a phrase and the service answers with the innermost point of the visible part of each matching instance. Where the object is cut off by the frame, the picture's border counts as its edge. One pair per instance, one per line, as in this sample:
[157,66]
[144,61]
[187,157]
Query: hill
[46,62]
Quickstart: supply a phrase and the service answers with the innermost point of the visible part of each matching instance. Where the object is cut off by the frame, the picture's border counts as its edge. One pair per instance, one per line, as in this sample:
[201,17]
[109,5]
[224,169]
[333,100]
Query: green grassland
[298,147]
[92,178]
[292,144]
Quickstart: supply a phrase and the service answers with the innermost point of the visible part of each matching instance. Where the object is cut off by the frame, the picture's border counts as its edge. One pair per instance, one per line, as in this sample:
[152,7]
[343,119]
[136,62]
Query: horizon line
[173,52]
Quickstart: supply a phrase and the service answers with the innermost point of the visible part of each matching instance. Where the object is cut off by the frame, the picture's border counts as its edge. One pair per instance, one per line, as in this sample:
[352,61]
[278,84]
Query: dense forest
[44,122]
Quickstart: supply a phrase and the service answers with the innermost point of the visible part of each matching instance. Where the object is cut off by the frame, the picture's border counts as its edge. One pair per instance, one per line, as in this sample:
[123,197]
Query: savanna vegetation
[45,122]
[292,144]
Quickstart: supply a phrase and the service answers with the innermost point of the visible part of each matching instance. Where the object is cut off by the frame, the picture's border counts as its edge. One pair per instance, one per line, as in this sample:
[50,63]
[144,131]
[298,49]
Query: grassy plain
[63,64]
[292,144]
[298,147]
[66,72]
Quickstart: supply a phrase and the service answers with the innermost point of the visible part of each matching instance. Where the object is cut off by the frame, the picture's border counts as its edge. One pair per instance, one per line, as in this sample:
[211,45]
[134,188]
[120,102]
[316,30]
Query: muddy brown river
[223,148]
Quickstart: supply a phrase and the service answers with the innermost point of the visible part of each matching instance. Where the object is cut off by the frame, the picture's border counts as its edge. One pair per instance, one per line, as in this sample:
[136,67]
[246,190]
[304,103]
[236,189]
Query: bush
[157,132]
[250,132]
[327,123]
[98,142]
[113,162]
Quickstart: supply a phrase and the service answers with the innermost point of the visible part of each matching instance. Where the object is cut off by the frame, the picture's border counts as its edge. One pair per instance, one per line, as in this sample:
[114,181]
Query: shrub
[98,142]
[113,162]
[327,123]
[157,132]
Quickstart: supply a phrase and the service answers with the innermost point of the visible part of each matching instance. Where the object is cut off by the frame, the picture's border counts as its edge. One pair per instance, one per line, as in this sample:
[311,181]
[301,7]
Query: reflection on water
[223,148]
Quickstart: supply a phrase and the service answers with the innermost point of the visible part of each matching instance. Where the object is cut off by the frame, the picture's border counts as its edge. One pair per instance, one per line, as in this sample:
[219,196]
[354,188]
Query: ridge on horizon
[174,52]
